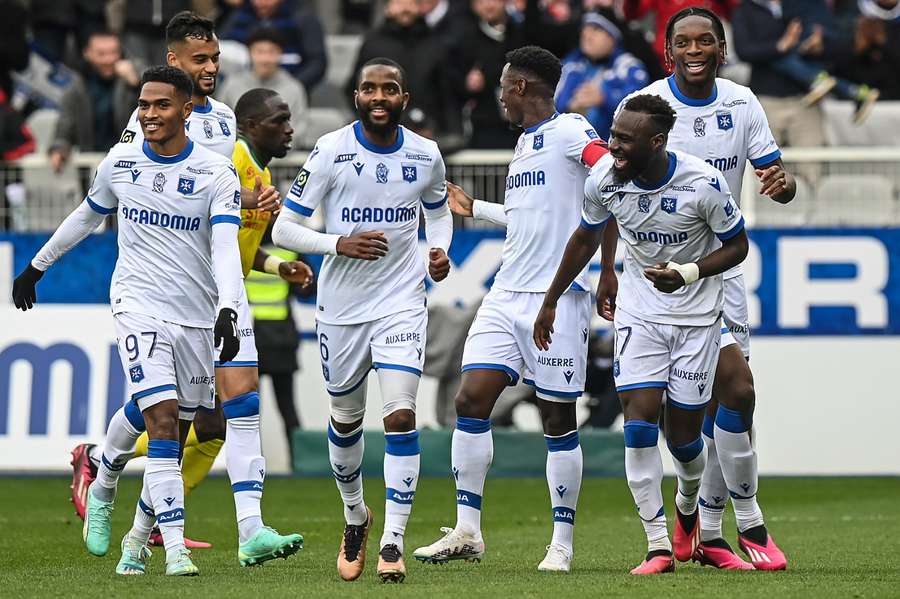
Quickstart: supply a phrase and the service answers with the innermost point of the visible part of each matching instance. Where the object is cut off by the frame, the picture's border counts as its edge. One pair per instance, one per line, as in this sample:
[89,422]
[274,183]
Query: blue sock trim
[171,516]
[340,441]
[473,426]
[247,485]
[712,506]
[564,514]
[639,433]
[566,442]
[110,465]
[468,498]
[732,420]
[687,452]
[242,405]
[402,444]
[134,416]
[347,478]
[399,496]
[661,512]
[146,508]
[163,448]
[739,496]
[708,426]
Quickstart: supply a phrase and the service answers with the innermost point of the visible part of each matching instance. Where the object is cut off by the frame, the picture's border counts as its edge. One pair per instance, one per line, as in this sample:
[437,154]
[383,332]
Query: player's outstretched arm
[673,276]
[290,233]
[78,225]
[582,246]
[462,204]
[777,183]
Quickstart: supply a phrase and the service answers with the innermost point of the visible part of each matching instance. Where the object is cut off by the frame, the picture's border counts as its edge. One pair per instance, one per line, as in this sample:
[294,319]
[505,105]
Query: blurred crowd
[83,59]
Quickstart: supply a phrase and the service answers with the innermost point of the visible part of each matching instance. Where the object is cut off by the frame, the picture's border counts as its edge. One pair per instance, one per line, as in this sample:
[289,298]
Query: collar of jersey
[692,101]
[673,162]
[534,128]
[256,161]
[361,138]
[203,109]
[168,159]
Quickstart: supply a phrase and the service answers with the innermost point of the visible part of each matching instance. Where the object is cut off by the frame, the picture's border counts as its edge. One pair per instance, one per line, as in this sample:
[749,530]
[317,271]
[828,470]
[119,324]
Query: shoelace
[101,516]
[353,536]
[390,553]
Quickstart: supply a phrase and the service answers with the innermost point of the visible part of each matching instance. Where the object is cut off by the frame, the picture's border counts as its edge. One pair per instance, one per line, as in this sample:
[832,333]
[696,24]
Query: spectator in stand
[599,74]
[265,46]
[144,30]
[446,20]
[489,36]
[13,44]
[663,10]
[95,107]
[53,21]
[884,10]
[405,38]
[876,53]
[300,29]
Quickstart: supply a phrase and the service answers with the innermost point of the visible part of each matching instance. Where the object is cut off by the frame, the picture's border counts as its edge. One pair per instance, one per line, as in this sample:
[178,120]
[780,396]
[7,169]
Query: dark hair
[174,77]
[102,33]
[187,24]
[265,34]
[695,11]
[659,111]
[387,62]
[253,104]
[537,61]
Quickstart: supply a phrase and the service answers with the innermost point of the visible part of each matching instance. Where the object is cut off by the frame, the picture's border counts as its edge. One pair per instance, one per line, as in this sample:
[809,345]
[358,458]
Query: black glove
[24,296]
[225,332]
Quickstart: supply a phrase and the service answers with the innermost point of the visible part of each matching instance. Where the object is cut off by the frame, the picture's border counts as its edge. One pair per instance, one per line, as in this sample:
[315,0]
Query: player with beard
[194,49]
[369,178]
[671,208]
[724,124]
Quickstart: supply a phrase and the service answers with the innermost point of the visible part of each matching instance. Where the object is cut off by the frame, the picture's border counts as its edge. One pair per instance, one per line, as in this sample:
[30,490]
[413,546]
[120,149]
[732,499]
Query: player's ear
[658,141]
[171,59]
[723,52]
[187,109]
[405,99]
[355,96]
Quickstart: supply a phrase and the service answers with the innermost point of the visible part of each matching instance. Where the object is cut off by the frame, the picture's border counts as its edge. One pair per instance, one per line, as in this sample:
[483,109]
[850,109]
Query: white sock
[144,517]
[643,468]
[471,454]
[738,460]
[163,480]
[564,466]
[346,454]
[401,474]
[713,492]
[244,461]
[124,428]
[690,460]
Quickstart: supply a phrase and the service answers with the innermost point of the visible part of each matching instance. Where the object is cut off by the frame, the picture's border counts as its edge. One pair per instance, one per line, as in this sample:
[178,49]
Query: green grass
[840,535]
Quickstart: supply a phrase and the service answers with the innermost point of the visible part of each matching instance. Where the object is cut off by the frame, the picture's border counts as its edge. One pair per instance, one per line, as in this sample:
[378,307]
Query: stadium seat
[342,51]
[854,200]
[42,123]
[50,196]
[882,128]
[768,213]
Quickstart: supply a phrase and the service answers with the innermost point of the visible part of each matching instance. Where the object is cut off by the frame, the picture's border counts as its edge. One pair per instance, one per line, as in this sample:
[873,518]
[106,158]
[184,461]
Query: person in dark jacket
[13,45]
[52,22]
[300,29]
[405,38]
[144,30]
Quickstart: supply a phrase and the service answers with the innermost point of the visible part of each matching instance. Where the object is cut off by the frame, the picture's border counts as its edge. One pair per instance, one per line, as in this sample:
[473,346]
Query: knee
[209,424]
[231,387]
[162,425]
[400,421]
[558,419]
[740,395]
[468,405]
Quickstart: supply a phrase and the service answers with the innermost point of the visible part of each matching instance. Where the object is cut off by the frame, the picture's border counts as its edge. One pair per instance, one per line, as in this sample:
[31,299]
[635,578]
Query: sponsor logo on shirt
[142,216]
[660,237]
[344,158]
[422,157]
[124,164]
[556,362]
[199,171]
[526,179]
[203,380]
[689,375]
[402,338]
[377,215]
[723,164]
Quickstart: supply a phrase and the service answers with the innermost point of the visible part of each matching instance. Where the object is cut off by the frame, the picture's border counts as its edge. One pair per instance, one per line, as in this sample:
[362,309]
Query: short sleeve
[311,184]
[761,146]
[225,206]
[579,134]
[719,209]
[435,195]
[593,213]
[100,197]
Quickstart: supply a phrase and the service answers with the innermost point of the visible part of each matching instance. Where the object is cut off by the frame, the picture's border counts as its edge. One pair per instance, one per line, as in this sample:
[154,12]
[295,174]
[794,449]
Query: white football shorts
[736,315]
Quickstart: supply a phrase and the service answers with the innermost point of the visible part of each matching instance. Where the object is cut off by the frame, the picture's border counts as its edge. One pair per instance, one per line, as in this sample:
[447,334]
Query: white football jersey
[213,126]
[166,207]
[364,187]
[544,194]
[677,219]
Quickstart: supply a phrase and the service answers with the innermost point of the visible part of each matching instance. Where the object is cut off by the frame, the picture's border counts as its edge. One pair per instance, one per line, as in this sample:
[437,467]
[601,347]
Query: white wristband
[271,264]
[690,272]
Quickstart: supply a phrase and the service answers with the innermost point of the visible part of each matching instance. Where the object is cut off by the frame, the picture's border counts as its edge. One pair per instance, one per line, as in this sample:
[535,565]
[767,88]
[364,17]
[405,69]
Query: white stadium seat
[854,200]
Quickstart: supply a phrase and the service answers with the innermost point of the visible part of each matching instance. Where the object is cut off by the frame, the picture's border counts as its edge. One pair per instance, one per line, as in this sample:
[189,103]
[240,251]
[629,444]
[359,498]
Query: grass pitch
[840,535]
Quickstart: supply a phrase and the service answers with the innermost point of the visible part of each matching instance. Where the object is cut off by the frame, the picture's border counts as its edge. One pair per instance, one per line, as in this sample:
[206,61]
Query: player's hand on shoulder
[543,327]
[296,272]
[24,294]
[438,264]
[459,201]
[607,290]
[226,333]
[370,245]
[664,279]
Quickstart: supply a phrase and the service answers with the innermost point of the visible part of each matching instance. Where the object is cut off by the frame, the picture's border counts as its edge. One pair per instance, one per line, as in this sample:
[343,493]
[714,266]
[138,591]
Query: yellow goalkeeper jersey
[253,222]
